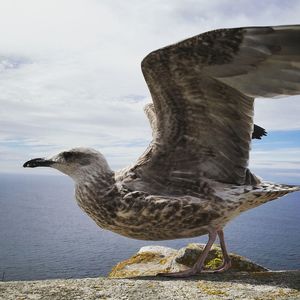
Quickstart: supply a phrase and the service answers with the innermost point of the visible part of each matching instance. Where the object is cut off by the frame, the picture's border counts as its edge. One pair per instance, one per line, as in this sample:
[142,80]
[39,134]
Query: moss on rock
[122,270]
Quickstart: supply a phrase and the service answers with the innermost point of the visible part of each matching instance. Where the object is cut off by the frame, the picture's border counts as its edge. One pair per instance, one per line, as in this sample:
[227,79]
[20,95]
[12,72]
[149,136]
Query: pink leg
[226,259]
[198,266]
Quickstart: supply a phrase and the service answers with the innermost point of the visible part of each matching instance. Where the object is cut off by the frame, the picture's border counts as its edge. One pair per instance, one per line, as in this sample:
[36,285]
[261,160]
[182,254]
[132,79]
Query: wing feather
[203,90]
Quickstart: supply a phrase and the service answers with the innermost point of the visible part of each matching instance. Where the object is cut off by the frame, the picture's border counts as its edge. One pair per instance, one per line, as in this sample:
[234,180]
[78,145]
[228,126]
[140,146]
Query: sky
[70,76]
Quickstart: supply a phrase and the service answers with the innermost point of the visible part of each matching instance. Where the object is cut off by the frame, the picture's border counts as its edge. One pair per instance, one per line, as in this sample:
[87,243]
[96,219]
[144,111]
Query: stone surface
[253,282]
[256,286]
[151,260]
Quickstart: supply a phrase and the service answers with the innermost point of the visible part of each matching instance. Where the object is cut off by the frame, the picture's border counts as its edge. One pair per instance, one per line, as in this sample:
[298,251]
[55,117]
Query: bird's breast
[140,216]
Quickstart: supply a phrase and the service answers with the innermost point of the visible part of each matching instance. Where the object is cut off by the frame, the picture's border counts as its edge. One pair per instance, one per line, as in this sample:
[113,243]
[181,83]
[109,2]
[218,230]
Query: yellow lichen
[144,257]
[214,263]
[284,292]
[163,261]
[210,290]
[280,294]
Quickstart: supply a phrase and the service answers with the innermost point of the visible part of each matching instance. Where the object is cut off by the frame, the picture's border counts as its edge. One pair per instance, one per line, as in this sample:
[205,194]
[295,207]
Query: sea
[44,234]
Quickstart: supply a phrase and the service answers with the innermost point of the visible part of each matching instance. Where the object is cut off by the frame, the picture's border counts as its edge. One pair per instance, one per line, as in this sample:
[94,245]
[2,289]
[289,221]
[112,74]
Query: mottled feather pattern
[194,176]
[196,111]
[137,214]
[189,102]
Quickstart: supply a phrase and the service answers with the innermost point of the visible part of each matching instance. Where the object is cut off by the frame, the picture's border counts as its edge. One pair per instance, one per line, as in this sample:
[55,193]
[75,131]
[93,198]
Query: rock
[188,256]
[151,260]
[282,285]
[256,283]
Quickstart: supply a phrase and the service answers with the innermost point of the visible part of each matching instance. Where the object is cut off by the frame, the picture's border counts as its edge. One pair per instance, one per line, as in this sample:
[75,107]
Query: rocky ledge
[246,280]
[152,260]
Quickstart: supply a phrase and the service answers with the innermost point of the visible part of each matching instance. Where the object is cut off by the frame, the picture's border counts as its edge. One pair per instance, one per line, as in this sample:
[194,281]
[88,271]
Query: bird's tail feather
[269,191]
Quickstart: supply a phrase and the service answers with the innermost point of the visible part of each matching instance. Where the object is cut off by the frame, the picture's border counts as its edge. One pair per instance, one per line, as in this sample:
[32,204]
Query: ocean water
[44,234]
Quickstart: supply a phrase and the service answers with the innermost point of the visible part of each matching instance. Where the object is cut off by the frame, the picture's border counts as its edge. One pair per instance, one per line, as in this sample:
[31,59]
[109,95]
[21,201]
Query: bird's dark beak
[38,162]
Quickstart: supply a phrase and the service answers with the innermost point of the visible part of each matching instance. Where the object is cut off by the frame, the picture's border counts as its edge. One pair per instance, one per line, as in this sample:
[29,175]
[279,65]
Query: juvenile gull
[194,177]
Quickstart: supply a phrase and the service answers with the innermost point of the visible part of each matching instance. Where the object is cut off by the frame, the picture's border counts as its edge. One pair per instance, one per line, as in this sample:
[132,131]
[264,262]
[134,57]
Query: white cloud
[279,159]
[70,70]
[278,114]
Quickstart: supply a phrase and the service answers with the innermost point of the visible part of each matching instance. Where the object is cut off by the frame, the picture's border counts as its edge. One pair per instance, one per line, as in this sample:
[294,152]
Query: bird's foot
[224,267]
[181,274]
[194,271]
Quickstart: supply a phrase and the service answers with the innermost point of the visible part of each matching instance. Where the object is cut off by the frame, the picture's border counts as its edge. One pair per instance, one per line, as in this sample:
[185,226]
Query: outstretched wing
[203,90]
[257,133]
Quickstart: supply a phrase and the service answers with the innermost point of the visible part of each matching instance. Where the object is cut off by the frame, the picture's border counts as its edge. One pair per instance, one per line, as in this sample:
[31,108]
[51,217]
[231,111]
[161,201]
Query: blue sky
[70,76]
[276,157]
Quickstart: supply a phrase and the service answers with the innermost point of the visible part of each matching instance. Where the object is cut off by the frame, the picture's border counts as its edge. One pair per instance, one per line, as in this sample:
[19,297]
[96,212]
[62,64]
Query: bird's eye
[67,155]
[76,157]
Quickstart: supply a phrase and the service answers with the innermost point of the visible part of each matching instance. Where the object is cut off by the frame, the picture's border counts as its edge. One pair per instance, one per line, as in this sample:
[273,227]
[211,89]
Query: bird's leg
[198,266]
[226,259]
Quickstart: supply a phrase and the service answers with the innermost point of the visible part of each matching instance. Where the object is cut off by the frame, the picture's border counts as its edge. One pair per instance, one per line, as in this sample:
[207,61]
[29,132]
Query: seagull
[193,178]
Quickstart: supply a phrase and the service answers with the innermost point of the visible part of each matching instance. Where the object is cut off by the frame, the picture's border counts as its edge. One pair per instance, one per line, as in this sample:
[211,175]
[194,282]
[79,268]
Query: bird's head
[76,163]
